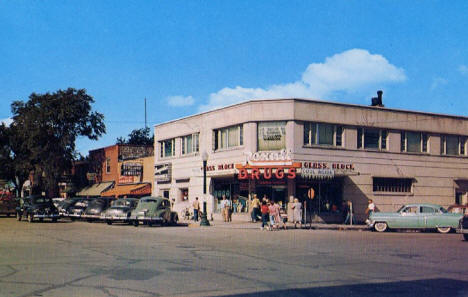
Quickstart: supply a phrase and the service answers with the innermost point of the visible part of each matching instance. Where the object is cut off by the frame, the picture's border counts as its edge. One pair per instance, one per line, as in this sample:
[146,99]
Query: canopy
[95,189]
[129,190]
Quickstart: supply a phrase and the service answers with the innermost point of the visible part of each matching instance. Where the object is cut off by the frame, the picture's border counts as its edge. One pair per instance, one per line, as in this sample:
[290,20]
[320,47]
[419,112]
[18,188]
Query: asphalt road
[94,259]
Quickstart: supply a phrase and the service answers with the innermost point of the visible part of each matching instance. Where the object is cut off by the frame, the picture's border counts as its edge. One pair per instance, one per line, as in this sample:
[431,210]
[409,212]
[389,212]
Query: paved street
[94,259]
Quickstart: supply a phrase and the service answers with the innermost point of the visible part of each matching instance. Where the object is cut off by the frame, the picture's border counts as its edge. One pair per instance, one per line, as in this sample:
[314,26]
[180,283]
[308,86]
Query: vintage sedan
[96,207]
[154,210]
[463,226]
[73,208]
[36,207]
[415,216]
[119,211]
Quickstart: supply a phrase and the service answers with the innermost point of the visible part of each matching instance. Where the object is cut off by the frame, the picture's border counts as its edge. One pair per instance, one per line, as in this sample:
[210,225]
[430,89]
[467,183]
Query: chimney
[377,101]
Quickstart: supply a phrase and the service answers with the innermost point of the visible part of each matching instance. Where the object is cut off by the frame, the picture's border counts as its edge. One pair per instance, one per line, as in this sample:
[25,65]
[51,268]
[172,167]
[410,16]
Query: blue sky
[190,56]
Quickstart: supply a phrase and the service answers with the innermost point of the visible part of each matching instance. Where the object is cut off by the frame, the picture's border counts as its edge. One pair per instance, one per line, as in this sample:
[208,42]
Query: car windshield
[443,210]
[42,200]
[401,208]
[121,203]
[149,201]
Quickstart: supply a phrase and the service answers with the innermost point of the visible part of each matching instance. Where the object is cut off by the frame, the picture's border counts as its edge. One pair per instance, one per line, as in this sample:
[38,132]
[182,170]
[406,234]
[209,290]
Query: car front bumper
[146,219]
[115,218]
[46,216]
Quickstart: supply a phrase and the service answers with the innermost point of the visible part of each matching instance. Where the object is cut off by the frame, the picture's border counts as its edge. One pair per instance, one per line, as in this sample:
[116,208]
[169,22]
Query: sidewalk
[249,225]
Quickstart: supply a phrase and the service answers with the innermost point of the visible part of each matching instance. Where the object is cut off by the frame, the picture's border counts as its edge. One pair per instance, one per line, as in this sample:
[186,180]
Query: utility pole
[146,124]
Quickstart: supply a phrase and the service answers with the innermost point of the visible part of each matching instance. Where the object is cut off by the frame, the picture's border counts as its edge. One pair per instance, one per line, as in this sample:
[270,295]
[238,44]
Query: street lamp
[204,220]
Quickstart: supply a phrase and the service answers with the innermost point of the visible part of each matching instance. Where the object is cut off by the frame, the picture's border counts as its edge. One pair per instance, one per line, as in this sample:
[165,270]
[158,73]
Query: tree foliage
[49,125]
[138,137]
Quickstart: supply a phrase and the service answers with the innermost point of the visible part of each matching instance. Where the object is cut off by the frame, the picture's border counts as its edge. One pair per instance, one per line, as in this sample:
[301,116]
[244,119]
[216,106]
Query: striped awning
[129,190]
[95,189]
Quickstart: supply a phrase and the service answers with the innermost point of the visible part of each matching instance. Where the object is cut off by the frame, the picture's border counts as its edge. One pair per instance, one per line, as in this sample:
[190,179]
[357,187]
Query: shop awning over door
[95,190]
[129,190]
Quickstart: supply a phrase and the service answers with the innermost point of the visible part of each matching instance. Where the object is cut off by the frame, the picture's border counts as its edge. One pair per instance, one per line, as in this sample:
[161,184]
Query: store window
[167,148]
[453,145]
[392,185]
[190,144]
[372,138]
[414,142]
[271,136]
[323,134]
[228,137]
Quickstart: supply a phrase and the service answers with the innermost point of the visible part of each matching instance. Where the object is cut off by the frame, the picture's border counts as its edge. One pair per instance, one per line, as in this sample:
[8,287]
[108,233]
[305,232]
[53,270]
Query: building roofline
[320,102]
[112,145]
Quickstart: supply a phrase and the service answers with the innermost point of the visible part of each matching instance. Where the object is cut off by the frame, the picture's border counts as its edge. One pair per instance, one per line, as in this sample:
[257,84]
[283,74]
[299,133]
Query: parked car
[36,207]
[96,207]
[119,211]
[463,226]
[415,216]
[154,210]
[8,205]
[73,208]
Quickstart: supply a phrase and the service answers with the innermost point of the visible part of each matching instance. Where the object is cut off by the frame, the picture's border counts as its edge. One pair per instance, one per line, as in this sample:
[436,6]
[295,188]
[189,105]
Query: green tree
[137,137]
[49,124]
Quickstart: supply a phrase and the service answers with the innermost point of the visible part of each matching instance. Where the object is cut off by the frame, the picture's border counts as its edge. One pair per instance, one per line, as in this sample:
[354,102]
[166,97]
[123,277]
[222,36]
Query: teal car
[415,216]
[154,210]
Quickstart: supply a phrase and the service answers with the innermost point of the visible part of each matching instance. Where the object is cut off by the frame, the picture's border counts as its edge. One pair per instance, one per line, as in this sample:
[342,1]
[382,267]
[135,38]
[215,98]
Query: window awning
[95,189]
[129,190]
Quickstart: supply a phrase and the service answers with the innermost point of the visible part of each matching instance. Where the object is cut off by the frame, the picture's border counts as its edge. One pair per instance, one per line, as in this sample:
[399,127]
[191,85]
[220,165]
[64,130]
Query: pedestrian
[297,213]
[265,213]
[272,213]
[348,209]
[223,208]
[255,206]
[370,209]
[278,218]
[196,209]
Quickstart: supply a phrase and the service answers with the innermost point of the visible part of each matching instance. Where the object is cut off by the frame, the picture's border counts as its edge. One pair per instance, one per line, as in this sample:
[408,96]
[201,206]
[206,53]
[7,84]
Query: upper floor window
[453,145]
[167,148]
[108,165]
[190,144]
[414,142]
[323,134]
[228,137]
[271,136]
[370,138]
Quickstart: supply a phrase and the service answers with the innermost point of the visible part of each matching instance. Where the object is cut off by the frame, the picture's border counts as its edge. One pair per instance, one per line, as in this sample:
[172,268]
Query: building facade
[321,152]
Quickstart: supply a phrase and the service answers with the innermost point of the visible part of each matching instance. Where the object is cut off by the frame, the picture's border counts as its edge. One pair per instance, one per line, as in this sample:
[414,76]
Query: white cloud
[179,101]
[463,69]
[438,82]
[7,121]
[350,71]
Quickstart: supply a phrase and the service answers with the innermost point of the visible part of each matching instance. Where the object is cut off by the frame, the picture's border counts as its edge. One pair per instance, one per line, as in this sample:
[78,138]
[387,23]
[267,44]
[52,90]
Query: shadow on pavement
[427,288]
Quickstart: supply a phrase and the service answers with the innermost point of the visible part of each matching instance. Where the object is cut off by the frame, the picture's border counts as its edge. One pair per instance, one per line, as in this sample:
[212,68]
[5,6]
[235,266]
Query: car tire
[72,219]
[109,222]
[150,224]
[30,218]
[380,226]
[18,216]
[54,220]
[465,236]
[135,223]
[444,230]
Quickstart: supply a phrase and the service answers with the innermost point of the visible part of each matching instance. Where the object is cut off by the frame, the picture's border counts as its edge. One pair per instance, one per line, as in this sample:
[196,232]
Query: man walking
[196,209]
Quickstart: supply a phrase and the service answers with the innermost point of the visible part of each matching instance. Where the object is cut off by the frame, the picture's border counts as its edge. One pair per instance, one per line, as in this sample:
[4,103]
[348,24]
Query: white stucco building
[320,152]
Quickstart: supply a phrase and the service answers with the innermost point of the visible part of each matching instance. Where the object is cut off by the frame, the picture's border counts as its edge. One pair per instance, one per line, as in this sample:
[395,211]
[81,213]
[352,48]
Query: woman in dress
[297,210]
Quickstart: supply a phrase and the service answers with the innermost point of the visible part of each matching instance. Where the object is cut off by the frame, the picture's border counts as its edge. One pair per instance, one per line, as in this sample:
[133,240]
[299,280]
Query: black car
[96,207]
[36,207]
[463,226]
[119,211]
[73,208]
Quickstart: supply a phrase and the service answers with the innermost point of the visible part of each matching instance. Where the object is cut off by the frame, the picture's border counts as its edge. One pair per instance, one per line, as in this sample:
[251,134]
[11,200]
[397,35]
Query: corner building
[322,153]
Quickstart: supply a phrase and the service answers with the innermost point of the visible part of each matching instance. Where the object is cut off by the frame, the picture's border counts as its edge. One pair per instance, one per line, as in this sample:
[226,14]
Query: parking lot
[95,259]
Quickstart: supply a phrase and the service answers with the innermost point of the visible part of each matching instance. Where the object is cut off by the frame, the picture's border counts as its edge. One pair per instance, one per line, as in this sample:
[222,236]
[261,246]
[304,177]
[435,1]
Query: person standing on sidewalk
[349,213]
[370,209]
[265,213]
[297,213]
[255,206]
[278,218]
[196,209]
